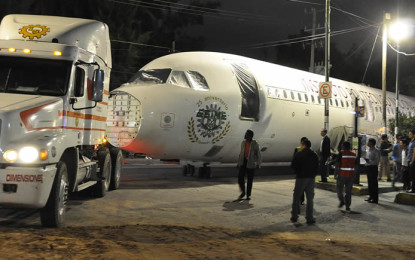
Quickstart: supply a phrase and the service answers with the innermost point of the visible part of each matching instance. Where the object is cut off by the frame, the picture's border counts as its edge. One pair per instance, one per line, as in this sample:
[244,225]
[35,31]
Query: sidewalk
[362,189]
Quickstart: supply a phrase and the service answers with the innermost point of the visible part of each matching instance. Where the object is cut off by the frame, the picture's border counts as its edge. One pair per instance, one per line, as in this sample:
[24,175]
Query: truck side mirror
[79,82]
[98,85]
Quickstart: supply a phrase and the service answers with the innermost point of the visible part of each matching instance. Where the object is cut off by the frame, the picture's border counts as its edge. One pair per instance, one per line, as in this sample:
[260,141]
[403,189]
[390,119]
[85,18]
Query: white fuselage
[177,119]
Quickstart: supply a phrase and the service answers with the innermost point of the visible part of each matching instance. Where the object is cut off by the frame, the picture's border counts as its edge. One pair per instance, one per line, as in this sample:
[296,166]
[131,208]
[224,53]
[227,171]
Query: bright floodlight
[400,30]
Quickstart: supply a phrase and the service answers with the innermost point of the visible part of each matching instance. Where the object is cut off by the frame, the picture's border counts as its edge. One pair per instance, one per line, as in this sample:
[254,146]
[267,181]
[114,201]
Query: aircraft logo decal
[210,124]
[33,31]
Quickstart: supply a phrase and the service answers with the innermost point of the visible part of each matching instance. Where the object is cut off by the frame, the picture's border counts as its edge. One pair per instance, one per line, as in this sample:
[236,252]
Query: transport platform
[401,197]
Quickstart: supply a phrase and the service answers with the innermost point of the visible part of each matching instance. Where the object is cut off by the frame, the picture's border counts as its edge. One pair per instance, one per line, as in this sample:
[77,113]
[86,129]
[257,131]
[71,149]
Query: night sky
[244,27]
[270,21]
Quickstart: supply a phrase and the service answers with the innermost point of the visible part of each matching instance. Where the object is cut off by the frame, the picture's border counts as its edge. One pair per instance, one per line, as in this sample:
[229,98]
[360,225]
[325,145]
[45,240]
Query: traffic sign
[360,111]
[325,89]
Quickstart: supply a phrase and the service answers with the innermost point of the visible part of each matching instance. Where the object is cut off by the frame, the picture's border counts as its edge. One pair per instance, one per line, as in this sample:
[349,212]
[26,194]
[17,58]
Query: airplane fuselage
[197,106]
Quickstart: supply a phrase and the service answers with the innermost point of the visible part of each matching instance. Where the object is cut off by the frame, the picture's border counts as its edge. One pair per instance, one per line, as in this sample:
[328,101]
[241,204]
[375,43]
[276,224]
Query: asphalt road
[161,195]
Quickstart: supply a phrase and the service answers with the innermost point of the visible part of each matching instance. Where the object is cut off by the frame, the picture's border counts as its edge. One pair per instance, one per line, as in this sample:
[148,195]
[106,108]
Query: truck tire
[116,163]
[52,215]
[102,186]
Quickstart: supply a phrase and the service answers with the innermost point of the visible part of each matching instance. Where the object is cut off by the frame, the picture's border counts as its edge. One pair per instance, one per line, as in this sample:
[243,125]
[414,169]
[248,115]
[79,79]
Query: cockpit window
[179,78]
[197,80]
[156,76]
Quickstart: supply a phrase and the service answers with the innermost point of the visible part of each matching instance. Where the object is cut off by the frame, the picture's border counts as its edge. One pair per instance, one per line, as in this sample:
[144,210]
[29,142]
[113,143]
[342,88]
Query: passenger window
[179,78]
[197,80]
[312,99]
[341,101]
[299,96]
[292,95]
[306,97]
[331,102]
[337,103]
[285,94]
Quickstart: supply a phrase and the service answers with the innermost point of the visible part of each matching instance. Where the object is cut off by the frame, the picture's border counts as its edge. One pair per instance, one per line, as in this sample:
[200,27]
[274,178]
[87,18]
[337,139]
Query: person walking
[324,154]
[397,158]
[347,171]
[305,165]
[411,160]
[371,167]
[384,165]
[249,160]
[296,150]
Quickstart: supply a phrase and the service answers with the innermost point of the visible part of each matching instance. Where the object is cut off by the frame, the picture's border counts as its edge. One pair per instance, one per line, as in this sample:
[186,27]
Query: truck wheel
[52,215]
[116,163]
[104,160]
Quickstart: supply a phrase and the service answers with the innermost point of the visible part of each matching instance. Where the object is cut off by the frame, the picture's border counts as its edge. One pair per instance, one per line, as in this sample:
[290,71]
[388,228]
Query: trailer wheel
[52,215]
[102,186]
[116,163]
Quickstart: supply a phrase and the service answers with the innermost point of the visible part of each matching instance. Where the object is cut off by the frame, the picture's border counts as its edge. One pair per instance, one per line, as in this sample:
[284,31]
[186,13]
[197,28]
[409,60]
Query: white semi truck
[54,89]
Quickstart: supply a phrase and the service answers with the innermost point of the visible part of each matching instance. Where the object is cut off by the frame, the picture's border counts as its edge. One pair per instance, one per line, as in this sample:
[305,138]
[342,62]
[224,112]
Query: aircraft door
[249,92]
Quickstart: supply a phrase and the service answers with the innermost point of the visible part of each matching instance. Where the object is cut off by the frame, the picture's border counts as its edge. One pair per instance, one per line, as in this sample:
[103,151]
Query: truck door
[249,92]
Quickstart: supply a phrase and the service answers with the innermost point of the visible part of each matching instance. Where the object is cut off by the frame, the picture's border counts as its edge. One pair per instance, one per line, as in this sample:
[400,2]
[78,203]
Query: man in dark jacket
[305,165]
[324,154]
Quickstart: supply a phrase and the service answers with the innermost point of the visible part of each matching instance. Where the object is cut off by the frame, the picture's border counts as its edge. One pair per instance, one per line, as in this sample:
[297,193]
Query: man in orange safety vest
[346,163]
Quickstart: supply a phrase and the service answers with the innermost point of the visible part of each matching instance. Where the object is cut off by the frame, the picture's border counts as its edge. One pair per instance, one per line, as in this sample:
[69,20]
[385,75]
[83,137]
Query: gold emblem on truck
[33,31]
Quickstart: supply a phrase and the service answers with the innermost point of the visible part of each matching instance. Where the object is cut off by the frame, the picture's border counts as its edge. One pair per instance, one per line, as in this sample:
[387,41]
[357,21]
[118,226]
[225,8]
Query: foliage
[140,31]
[406,124]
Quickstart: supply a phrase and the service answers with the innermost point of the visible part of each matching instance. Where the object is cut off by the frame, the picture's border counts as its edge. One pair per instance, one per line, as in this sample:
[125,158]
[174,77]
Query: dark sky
[267,21]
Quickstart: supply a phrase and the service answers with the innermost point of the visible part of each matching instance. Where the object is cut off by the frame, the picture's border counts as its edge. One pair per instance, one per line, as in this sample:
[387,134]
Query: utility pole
[327,63]
[386,18]
[313,33]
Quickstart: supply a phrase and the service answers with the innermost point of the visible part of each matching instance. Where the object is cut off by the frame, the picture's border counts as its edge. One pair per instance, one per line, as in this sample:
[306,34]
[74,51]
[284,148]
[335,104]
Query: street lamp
[399,30]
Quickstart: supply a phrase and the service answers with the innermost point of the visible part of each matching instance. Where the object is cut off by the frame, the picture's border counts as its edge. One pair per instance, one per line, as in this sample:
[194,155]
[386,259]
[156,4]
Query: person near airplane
[384,165]
[249,160]
[305,165]
[346,163]
[324,154]
[371,167]
[296,150]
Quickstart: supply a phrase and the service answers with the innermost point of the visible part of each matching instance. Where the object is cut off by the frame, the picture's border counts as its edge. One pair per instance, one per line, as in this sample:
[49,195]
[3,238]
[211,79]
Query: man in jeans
[384,165]
[305,165]
[347,162]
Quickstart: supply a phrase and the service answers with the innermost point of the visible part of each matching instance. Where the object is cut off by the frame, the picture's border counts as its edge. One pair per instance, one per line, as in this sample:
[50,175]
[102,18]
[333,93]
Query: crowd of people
[307,164]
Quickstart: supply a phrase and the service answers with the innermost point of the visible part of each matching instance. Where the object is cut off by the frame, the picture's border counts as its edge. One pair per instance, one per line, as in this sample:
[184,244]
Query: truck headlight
[10,155]
[28,154]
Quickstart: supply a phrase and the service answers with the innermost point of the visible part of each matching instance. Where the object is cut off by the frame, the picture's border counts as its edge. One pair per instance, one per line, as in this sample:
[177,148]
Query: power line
[305,38]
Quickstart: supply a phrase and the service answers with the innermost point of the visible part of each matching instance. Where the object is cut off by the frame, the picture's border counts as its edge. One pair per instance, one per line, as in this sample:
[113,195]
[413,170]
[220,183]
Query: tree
[406,124]
[140,31]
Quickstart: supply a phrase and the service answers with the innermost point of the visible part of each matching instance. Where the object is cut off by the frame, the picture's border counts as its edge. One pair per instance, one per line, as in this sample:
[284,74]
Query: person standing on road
[249,160]
[411,160]
[406,179]
[296,150]
[397,158]
[305,165]
[371,167]
[384,165]
[324,154]
[347,171]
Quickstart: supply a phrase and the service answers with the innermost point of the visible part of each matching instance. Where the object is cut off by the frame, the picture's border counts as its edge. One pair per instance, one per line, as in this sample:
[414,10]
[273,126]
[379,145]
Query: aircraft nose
[123,119]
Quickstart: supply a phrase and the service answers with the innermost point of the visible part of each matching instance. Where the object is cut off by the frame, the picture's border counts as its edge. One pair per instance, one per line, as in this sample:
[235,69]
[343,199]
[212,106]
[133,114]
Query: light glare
[28,154]
[10,155]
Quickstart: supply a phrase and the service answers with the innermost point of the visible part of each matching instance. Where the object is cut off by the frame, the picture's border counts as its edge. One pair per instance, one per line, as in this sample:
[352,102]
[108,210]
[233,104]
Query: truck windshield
[34,76]
[155,76]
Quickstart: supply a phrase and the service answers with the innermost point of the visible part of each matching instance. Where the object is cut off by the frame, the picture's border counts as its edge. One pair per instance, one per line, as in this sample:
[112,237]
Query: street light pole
[327,63]
[384,54]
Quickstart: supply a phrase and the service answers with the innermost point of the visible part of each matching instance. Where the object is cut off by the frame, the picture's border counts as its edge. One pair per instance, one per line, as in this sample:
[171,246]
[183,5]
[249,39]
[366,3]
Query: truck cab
[54,88]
